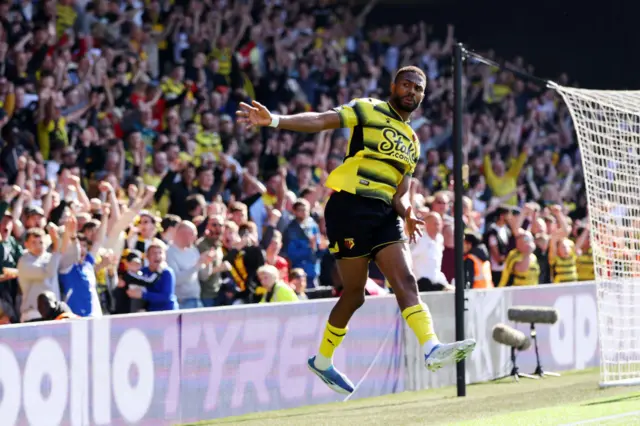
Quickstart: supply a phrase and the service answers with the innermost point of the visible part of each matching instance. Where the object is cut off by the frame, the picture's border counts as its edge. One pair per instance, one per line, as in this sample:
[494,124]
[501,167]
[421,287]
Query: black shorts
[359,226]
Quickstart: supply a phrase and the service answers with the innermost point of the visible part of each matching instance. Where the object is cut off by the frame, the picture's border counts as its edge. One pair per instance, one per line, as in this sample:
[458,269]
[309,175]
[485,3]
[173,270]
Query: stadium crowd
[128,186]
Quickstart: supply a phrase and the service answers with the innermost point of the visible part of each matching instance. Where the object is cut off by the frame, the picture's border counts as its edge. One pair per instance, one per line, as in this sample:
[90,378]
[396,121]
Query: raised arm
[101,235]
[114,206]
[126,219]
[566,186]
[82,196]
[70,248]
[257,114]
[535,192]
[582,240]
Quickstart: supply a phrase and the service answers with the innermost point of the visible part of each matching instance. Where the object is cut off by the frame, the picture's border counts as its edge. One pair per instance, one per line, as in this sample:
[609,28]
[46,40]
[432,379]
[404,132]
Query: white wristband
[275,120]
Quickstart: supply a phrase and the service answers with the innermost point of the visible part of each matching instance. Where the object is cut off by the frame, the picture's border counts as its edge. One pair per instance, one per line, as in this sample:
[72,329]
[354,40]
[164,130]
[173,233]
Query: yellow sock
[331,339]
[418,318]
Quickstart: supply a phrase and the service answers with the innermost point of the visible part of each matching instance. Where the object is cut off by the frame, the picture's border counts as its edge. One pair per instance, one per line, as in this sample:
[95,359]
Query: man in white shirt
[427,256]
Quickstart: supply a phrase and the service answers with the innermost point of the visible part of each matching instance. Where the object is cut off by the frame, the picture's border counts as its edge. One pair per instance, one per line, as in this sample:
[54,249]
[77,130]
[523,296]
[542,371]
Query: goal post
[607,124]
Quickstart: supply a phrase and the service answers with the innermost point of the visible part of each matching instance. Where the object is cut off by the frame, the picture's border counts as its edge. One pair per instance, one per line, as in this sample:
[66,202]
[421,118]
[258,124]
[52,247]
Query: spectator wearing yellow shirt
[51,124]
[65,16]
[174,85]
[496,88]
[503,182]
[584,263]
[208,139]
[225,46]
[159,166]
[562,251]
[276,289]
[153,177]
[521,266]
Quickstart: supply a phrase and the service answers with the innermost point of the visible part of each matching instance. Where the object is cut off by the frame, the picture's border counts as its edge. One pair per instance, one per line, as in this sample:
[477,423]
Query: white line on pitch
[605,418]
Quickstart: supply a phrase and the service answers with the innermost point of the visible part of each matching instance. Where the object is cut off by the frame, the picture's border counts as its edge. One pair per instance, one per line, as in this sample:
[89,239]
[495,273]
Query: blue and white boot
[332,377]
[446,353]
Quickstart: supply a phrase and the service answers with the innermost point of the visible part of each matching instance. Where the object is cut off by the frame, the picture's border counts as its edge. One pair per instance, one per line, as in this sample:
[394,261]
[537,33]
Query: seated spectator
[297,280]
[276,290]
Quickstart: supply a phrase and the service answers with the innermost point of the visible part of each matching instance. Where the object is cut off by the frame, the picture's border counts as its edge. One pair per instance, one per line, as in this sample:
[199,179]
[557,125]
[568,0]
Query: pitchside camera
[515,339]
[534,315]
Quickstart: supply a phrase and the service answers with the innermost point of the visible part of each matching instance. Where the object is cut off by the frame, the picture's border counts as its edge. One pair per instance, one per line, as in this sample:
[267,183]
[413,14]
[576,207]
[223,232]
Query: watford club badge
[349,243]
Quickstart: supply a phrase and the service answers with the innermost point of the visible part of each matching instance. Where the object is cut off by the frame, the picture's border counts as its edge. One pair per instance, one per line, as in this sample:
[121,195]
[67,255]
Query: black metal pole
[458,161]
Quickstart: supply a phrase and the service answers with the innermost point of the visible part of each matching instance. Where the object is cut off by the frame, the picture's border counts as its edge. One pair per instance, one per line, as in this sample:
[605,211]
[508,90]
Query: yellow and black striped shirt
[382,150]
[584,264]
[511,277]
[564,270]
[65,18]
[224,57]
[208,142]
[172,89]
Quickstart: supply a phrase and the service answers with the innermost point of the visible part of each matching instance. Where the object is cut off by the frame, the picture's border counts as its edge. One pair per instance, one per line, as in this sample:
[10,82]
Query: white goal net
[607,124]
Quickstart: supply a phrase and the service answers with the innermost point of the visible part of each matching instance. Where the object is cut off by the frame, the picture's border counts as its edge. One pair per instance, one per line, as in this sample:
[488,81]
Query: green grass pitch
[573,399]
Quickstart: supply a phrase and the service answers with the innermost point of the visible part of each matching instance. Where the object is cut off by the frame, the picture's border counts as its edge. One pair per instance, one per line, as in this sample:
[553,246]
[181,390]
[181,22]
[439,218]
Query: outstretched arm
[257,114]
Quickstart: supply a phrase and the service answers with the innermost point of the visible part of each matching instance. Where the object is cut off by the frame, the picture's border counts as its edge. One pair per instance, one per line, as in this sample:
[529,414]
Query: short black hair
[407,69]
[307,190]
[301,202]
[202,169]
[169,221]
[502,210]
[195,200]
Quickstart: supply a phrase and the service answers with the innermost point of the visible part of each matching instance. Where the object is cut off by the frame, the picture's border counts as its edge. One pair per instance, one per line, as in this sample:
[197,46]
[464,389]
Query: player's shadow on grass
[612,400]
